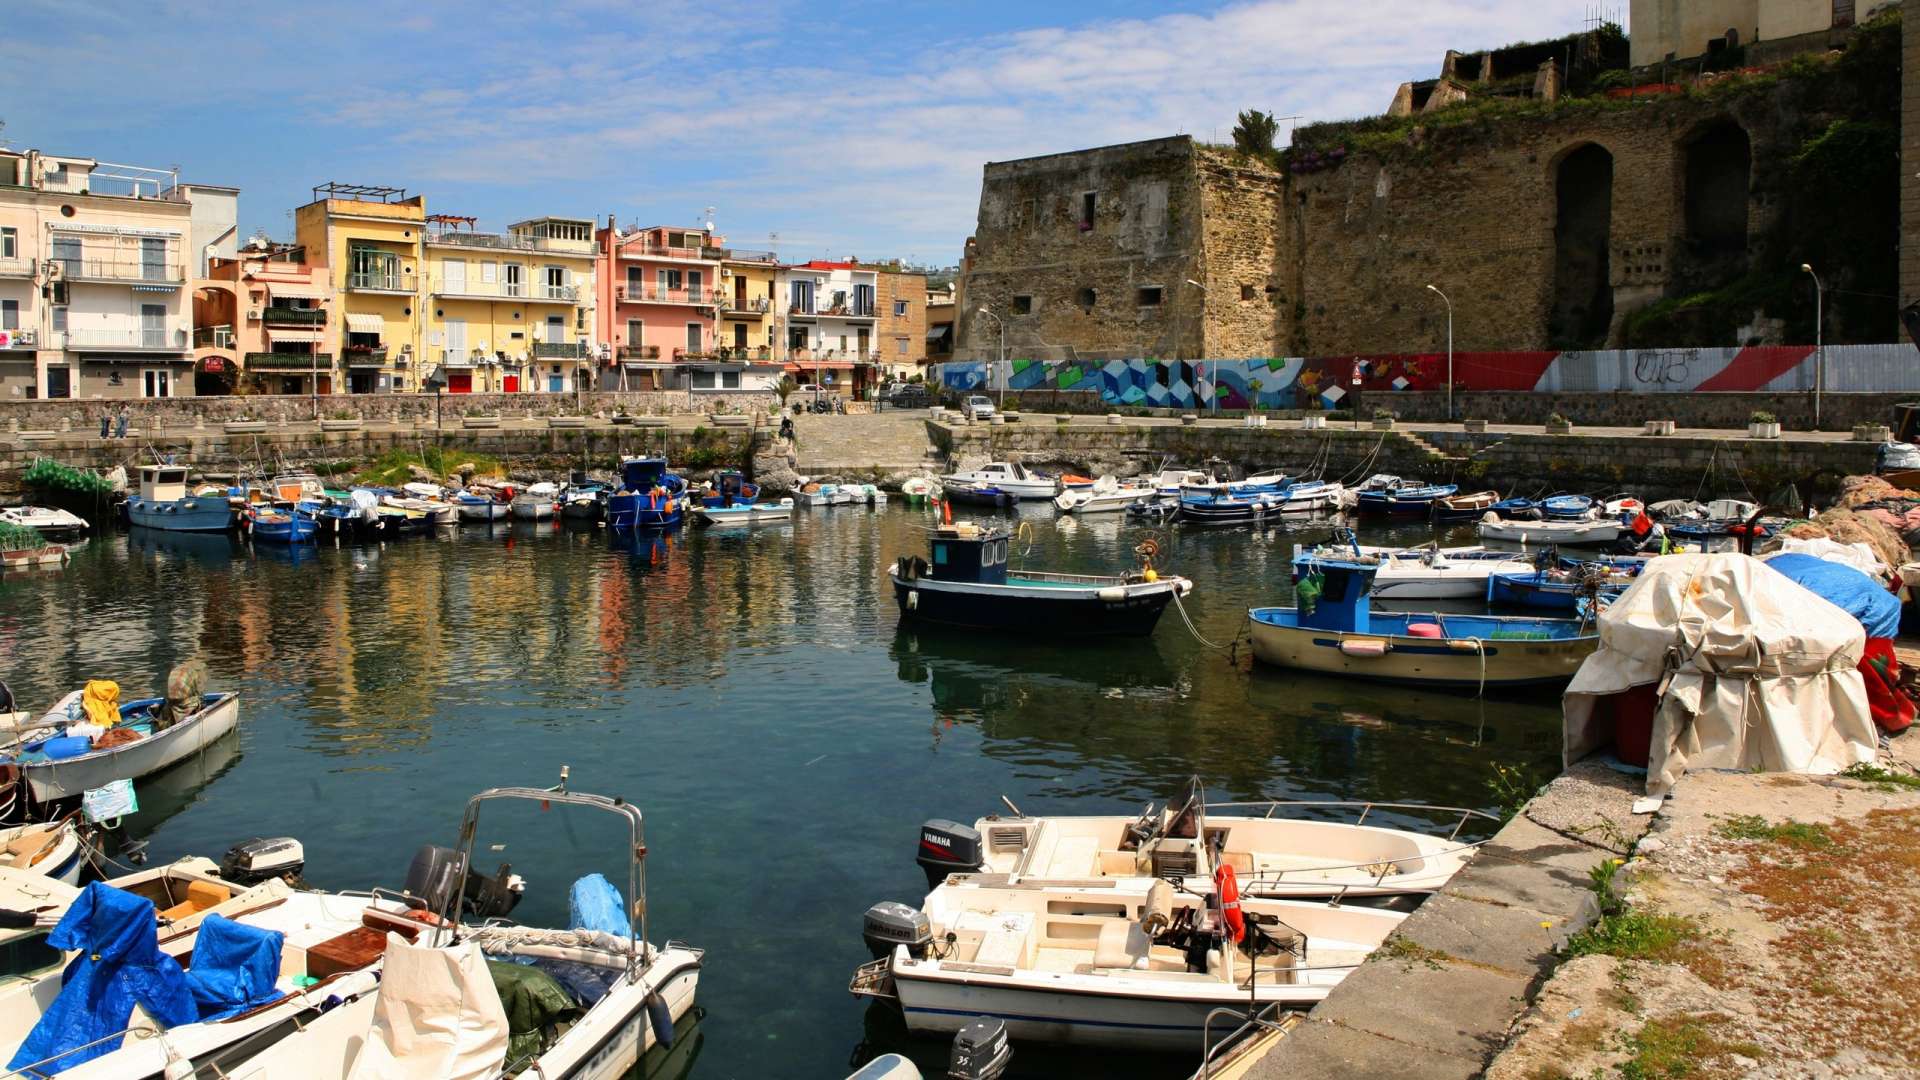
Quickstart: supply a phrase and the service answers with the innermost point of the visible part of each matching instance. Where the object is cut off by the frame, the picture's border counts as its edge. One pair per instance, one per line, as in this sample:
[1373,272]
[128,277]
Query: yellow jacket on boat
[102,702]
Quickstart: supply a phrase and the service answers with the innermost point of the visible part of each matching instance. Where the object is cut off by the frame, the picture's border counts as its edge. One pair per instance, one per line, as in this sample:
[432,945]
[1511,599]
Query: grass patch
[1512,786]
[1637,935]
[1412,952]
[1874,774]
[1677,1047]
[395,466]
[1798,834]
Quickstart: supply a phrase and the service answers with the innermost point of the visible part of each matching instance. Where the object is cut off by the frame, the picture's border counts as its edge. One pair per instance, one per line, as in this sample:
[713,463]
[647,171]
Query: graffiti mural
[1325,382]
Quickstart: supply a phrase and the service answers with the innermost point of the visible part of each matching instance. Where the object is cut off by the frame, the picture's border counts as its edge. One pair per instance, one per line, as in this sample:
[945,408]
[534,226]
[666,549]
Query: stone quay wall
[169,413]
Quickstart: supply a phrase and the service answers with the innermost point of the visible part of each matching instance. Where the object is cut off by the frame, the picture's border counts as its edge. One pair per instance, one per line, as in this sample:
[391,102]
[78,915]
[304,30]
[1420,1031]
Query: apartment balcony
[510,242]
[748,354]
[639,352]
[509,290]
[561,350]
[743,255]
[660,294]
[640,250]
[281,315]
[148,341]
[364,356]
[742,308]
[213,337]
[289,361]
[123,272]
[390,284]
[16,268]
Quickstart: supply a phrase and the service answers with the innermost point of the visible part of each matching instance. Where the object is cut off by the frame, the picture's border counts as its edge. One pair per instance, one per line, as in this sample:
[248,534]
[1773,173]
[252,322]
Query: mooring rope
[1195,631]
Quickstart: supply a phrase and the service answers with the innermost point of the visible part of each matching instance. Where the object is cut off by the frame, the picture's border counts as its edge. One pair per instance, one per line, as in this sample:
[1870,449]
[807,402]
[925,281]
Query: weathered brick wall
[186,412]
[1244,257]
[1030,241]
[1910,154]
[912,327]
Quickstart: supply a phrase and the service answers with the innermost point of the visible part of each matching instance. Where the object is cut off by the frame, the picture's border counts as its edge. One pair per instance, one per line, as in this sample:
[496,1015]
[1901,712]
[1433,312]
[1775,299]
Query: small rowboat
[29,558]
[1569,533]
[1457,508]
[51,778]
[744,513]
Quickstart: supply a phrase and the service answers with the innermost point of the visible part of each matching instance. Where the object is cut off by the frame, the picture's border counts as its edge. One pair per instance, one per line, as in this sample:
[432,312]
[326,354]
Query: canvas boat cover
[1760,673]
[437,1016]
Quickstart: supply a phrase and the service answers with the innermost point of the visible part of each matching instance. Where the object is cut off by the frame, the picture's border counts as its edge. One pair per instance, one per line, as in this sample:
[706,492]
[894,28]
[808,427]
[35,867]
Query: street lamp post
[1001,365]
[1819,339]
[1443,296]
[1215,395]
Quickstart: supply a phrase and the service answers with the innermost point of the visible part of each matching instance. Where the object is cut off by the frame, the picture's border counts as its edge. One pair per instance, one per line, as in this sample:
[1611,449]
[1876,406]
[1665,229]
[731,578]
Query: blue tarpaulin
[1846,588]
[120,965]
[594,904]
[234,967]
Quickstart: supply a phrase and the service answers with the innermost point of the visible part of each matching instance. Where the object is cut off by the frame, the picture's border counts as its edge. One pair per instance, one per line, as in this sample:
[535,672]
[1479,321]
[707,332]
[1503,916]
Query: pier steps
[839,445]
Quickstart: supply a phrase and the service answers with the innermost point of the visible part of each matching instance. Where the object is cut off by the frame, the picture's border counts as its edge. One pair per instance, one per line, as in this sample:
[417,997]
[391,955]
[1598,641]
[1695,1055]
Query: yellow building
[511,312]
[747,282]
[370,239]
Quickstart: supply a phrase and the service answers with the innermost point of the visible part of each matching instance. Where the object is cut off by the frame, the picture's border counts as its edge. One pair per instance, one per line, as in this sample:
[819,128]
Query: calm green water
[752,692]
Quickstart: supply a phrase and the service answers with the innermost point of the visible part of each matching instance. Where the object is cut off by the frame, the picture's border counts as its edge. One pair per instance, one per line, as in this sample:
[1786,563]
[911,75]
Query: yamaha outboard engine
[437,872]
[980,1050]
[890,923]
[948,847]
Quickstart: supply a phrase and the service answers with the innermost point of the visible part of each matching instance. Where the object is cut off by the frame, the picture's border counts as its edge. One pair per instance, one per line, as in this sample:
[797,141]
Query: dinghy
[538,502]
[1105,496]
[1461,508]
[50,522]
[1563,533]
[1010,477]
[740,514]
[60,762]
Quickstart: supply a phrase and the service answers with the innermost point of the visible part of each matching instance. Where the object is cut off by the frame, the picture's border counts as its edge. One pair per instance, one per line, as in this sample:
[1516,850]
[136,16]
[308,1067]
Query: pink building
[659,291]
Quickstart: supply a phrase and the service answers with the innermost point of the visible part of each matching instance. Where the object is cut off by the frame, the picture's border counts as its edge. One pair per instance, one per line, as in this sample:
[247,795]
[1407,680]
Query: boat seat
[29,847]
[1241,861]
[201,896]
[1120,864]
[1122,945]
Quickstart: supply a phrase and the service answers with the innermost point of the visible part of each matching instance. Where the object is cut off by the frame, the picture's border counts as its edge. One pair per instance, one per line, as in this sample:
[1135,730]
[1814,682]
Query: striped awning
[278,334]
[297,290]
[359,322]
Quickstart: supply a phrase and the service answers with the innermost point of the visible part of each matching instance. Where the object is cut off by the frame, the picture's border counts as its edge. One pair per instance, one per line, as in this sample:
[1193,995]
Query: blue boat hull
[628,510]
[195,513]
[1074,613]
[297,529]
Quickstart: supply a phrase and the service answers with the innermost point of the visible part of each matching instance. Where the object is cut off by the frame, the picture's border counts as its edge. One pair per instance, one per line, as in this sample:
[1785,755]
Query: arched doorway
[1718,164]
[1582,235]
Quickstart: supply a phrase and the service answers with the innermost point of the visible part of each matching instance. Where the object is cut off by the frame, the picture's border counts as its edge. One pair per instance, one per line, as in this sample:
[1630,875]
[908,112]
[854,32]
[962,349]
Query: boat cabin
[163,483]
[730,488]
[643,473]
[969,552]
[1336,595]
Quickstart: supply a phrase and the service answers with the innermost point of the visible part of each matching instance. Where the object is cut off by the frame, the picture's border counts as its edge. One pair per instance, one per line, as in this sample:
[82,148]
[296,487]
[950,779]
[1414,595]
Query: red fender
[1226,887]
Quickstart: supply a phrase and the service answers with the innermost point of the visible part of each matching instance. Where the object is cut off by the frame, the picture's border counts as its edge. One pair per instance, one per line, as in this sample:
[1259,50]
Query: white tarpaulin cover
[1763,672]
[437,1017]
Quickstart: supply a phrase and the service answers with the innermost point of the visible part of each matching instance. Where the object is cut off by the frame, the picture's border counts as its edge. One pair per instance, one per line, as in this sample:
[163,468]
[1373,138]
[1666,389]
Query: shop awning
[363,323]
[304,336]
[297,290]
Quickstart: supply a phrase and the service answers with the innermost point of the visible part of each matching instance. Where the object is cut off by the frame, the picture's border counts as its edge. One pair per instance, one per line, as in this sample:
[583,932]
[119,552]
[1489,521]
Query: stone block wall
[891,330]
[1910,154]
[1838,412]
[1250,283]
[294,408]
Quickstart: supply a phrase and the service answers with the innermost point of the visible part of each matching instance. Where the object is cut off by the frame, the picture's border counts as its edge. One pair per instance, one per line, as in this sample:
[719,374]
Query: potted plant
[1383,419]
[340,420]
[475,418]
[1476,426]
[621,416]
[1762,425]
[1559,425]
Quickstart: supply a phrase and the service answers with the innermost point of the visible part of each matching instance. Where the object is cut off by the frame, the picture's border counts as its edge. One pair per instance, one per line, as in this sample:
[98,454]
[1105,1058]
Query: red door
[510,383]
[459,382]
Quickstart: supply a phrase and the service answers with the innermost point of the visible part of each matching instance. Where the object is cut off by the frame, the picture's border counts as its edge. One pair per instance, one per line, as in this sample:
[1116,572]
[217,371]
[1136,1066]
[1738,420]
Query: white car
[978,407]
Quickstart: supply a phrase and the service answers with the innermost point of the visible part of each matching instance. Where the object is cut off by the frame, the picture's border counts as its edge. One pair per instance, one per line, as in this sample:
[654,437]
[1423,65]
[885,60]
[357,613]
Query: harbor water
[753,692]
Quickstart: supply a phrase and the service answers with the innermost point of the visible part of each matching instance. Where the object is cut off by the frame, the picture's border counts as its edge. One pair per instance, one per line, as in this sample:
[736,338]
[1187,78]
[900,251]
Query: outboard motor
[251,862]
[890,923]
[980,1050]
[436,872]
[948,847]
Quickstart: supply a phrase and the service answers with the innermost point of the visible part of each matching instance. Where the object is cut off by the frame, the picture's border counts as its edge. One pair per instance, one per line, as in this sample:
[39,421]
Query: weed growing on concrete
[1799,834]
[1675,1047]
[1412,952]
[1887,780]
[1513,786]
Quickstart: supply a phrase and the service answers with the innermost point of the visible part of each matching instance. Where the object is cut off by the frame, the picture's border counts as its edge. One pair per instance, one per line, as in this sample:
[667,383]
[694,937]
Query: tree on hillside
[1254,134]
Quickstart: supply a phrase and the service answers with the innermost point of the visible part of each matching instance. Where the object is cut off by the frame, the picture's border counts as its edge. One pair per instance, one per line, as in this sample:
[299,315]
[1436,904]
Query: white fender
[913,599]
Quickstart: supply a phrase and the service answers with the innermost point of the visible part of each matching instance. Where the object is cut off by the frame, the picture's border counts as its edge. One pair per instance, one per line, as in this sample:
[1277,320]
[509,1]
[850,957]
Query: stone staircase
[863,443]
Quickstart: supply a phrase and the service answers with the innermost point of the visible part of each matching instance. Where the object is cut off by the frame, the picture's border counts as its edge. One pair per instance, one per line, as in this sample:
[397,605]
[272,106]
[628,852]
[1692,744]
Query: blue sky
[848,128]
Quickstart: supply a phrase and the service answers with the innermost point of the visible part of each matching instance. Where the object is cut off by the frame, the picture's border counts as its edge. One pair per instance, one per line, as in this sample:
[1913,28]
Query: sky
[854,128]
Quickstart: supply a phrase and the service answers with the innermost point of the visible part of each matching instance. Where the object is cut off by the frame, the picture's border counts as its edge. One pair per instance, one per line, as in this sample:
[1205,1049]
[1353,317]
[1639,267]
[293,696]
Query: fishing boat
[650,497]
[439,1009]
[1425,573]
[537,502]
[50,522]
[483,504]
[1124,963]
[920,490]
[1566,507]
[276,526]
[427,499]
[1222,505]
[744,513]
[1307,496]
[970,493]
[1463,508]
[1106,494]
[967,583]
[163,503]
[1556,588]
[1562,533]
[1516,509]
[289,489]
[1168,482]
[729,487]
[1010,477]
[58,765]
[1334,630]
[583,499]
[37,557]
[1404,498]
[1277,847]
[54,850]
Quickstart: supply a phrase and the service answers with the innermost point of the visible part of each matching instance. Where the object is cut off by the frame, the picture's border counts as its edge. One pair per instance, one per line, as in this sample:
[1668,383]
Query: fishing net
[49,474]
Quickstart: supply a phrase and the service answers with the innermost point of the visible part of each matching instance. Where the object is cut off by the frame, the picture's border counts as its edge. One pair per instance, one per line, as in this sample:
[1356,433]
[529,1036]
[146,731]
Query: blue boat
[276,526]
[1545,590]
[1516,510]
[1406,498]
[730,487]
[650,497]
[1567,507]
[1334,630]
[163,503]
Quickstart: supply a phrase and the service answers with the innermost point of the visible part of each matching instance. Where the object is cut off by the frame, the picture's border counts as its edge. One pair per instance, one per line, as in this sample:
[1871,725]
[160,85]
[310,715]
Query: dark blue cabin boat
[649,496]
[730,488]
[967,584]
[1405,498]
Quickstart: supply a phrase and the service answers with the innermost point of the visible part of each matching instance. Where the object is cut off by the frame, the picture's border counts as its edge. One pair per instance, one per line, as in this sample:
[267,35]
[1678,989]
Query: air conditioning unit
[725,273]
[406,350]
[253,313]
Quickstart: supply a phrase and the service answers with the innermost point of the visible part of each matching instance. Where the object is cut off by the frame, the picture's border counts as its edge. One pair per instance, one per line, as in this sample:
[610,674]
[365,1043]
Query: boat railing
[1379,867]
[1273,1017]
[1085,579]
[37,1069]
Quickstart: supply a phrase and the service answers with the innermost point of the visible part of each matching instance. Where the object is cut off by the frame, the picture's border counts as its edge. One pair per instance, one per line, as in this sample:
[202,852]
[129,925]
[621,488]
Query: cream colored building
[93,279]
[1676,30]
[511,312]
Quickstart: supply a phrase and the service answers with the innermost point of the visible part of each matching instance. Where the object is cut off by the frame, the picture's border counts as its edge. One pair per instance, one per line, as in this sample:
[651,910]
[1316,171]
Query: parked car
[977,407]
[908,396]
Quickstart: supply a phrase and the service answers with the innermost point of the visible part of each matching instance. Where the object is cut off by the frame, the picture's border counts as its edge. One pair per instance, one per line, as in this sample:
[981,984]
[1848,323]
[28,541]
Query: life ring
[1226,890]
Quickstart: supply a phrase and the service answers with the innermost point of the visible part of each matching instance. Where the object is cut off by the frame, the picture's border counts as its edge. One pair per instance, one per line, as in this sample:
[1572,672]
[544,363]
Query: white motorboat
[1306,496]
[1276,848]
[744,513]
[50,522]
[168,734]
[1573,533]
[1427,573]
[538,502]
[1168,482]
[1119,963]
[54,850]
[1010,477]
[1106,495]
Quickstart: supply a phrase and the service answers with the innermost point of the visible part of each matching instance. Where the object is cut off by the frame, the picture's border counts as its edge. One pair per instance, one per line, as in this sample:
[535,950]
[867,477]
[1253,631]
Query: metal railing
[377,283]
[128,270]
[150,340]
[290,361]
[560,350]
[293,316]
[363,356]
[641,250]
[741,255]
[659,294]
[566,294]
[639,352]
[213,337]
[16,267]
[511,242]
[747,305]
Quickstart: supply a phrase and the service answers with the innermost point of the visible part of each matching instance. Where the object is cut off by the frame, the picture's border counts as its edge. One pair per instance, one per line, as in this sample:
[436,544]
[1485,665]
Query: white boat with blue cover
[164,503]
[1334,630]
[57,768]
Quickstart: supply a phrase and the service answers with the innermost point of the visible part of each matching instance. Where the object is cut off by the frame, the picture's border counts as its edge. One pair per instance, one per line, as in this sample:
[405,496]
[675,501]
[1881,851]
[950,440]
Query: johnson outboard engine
[980,1050]
[437,872]
[948,847]
[890,923]
[251,862]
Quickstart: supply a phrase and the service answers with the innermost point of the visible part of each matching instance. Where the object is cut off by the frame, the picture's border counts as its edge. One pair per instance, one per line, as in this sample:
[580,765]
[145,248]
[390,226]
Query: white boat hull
[70,777]
[1100,502]
[757,514]
[1455,581]
[533,509]
[484,511]
[1552,532]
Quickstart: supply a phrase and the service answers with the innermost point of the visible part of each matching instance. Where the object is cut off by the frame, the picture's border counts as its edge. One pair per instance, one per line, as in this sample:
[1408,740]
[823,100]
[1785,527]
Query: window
[1023,305]
[669,280]
[453,275]
[9,314]
[1085,298]
[634,333]
[1246,292]
[155,383]
[515,275]
[729,380]
[694,281]
[60,317]
[9,243]
[489,272]
[693,337]
[371,268]
[1148,296]
[900,346]
[66,252]
[557,284]
[1088,201]
[802,297]
[863,300]
[899,309]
